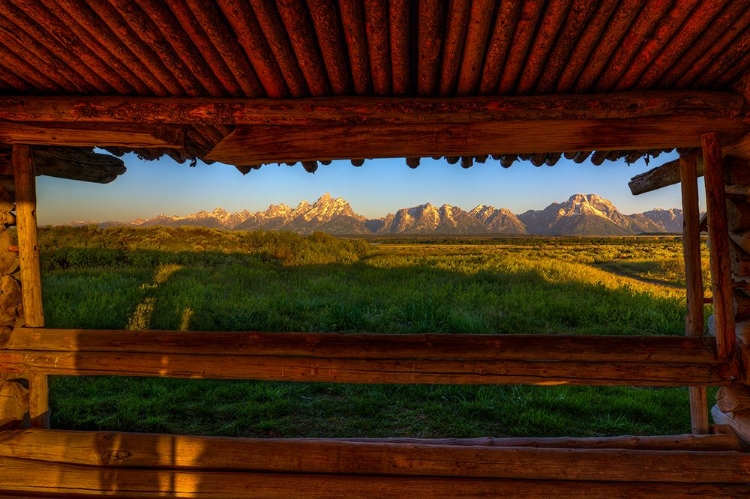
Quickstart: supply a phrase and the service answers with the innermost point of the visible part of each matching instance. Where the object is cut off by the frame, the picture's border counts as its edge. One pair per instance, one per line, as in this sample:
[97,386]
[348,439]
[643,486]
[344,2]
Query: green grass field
[202,279]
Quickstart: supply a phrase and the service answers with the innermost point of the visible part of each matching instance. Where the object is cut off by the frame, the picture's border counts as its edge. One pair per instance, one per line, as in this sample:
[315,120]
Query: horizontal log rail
[143,450]
[655,349]
[53,462]
[366,110]
[53,480]
[356,358]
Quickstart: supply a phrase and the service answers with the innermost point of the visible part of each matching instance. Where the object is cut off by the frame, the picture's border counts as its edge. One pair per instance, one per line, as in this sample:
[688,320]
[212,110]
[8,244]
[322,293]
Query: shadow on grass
[235,292]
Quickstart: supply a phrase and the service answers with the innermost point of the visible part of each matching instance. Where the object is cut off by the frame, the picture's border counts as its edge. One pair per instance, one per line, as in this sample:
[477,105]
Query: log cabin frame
[261,81]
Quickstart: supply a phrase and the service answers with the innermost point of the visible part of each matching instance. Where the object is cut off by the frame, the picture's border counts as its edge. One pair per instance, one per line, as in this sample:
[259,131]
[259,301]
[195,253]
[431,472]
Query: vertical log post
[31,281]
[691,241]
[718,236]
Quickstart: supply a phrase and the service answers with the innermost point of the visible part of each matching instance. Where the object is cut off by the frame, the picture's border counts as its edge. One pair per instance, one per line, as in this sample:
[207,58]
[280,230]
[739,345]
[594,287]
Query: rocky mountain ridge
[581,214]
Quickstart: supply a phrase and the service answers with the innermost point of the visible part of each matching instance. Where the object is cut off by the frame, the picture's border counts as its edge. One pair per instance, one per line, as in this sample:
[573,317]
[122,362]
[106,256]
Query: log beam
[121,451]
[545,360]
[718,233]
[739,421]
[661,176]
[77,164]
[653,349]
[740,148]
[86,135]
[53,480]
[264,144]
[31,280]
[733,399]
[14,403]
[368,110]
[691,243]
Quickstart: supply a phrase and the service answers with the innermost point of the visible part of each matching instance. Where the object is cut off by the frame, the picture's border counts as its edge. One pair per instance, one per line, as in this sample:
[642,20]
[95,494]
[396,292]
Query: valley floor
[202,279]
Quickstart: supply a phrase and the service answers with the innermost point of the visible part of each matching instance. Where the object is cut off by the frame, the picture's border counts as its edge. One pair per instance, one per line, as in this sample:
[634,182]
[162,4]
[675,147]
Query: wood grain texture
[121,451]
[77,164]
[60,480]
[733,399]
[661,176]
[718,233]
[357,360]
[691,243]
[266,144]
[738,421]
[14,403]
[647,349]
[25,181]
[367,110]
[85,135]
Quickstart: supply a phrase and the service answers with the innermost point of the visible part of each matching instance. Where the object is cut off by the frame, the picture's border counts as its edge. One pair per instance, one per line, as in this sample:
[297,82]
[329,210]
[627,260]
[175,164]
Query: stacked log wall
[14,394]
[733,402]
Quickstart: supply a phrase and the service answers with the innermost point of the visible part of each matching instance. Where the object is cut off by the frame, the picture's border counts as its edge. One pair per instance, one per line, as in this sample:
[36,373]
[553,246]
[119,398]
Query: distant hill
[589,215]
[581,215]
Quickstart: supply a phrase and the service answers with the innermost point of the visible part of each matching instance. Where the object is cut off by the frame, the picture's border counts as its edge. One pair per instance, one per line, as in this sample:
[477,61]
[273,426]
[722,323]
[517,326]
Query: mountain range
[581,214]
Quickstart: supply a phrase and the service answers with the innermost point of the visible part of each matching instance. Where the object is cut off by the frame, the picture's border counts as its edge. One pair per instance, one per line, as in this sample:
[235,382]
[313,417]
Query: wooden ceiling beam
[127,135]
[264,144]
[661,176]
[739,148]
[368,110]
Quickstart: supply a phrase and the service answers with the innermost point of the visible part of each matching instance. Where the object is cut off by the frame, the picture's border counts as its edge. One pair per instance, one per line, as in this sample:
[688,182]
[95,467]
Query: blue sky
[378,187]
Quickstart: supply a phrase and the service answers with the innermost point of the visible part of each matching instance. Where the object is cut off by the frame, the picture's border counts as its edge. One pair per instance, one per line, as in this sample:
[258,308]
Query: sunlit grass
[202,279]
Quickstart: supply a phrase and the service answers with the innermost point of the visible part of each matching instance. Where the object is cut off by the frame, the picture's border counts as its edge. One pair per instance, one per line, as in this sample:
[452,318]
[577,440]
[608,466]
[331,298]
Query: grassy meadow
[203,279]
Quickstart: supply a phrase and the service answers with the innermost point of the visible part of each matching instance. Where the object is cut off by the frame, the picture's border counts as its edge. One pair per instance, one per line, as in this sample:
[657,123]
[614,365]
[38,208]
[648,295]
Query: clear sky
[378,187]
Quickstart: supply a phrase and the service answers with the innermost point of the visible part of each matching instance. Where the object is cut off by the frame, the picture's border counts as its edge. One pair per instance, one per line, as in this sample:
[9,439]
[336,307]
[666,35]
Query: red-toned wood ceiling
[315,48]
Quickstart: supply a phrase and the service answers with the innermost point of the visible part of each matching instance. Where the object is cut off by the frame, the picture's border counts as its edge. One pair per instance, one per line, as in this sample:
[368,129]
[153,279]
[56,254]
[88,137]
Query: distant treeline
[115,247]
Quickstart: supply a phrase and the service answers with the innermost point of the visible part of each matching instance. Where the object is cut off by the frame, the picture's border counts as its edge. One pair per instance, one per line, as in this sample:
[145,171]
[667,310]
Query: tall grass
[202,279]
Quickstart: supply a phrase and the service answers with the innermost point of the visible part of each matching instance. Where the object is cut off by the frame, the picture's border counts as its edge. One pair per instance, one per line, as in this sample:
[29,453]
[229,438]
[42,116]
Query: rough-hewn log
[372,370]
[27,236]
[83,135]
[378,45]
[8,258]
[31,292]
[363,110]
[524,32]
[718,233]
[739,421]
[77,164]
[648,26]
[691,243]
[58,480]
[250,36]
[355,34]
[457,20]
[472,56]
[279,42]
[325,18]
[184,451]
[379,457]
[10,297]
[738,215]
[661,176]
[14,403]
[265,144]
[543,41]
[722,438]
[654,349]
[733,398]
[739,148]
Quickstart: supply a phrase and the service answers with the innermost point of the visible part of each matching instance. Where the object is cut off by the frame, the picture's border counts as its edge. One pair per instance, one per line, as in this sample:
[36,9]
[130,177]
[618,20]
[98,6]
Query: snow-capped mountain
[581,214]
[587,214]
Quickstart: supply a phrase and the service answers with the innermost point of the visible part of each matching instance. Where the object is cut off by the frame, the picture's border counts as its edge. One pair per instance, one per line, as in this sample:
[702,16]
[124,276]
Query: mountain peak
[581,214]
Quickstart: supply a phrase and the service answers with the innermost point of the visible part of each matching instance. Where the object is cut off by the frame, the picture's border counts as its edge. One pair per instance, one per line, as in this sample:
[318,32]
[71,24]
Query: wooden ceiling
[460,57]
